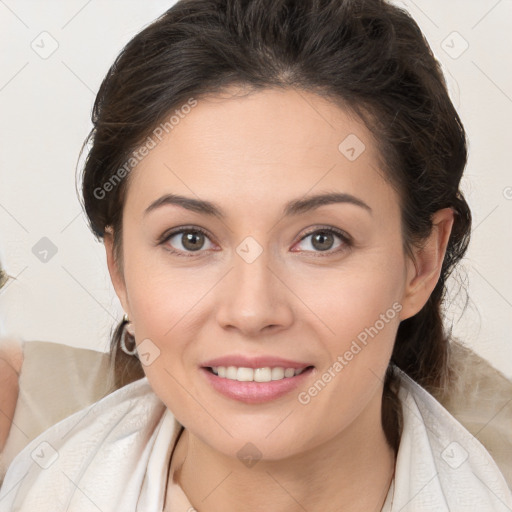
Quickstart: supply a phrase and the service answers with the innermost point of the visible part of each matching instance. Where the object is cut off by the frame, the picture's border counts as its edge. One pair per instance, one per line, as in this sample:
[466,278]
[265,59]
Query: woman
[277,188]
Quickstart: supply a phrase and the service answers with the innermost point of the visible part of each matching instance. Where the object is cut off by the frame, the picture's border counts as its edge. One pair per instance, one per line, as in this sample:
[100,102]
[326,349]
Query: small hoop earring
[128,329]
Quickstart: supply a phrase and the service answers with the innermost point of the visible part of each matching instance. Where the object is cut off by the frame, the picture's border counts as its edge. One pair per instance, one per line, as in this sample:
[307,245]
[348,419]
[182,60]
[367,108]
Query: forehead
[267,145]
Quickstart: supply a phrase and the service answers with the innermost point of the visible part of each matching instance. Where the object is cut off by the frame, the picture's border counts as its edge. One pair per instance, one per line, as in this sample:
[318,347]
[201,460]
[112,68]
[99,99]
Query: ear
[423,273]
[116,274]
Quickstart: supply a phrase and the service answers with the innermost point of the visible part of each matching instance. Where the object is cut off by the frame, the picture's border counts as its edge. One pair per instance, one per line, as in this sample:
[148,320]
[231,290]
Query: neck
[351,472]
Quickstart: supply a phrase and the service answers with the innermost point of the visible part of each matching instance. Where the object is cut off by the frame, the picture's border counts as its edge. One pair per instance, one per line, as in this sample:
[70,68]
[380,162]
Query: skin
[251,154]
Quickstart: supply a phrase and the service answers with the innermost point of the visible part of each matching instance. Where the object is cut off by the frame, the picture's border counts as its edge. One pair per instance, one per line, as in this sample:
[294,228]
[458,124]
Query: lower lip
[255,392]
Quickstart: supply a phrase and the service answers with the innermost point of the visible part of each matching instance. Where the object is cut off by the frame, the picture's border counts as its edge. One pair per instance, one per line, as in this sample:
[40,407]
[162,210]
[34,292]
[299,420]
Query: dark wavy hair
[367,56]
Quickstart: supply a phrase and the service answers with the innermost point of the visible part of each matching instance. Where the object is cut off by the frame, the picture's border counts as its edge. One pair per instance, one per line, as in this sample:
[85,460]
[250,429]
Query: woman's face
[270,277]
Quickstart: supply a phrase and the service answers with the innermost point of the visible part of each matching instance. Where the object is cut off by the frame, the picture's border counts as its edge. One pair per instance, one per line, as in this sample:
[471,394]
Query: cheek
[362,329]
[355,295]
[358,314]
[162,314]
[160,293]
[163,309]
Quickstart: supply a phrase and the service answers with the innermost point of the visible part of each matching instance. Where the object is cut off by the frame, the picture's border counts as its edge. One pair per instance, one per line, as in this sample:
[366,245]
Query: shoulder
[480,398]
[107,437]
[42,383]
[11,353]
[440,462]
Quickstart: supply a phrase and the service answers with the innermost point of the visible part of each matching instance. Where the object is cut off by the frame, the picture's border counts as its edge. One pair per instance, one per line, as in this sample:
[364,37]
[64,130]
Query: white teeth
[262,374]
[277,373]
[245,374]
[289,372]
[266,374]
[231,373]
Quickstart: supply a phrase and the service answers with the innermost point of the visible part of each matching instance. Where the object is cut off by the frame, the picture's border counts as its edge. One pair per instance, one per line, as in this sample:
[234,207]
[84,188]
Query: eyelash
[347,241]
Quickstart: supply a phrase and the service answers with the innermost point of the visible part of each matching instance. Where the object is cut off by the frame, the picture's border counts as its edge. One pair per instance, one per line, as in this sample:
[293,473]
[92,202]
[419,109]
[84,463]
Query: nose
[254,299]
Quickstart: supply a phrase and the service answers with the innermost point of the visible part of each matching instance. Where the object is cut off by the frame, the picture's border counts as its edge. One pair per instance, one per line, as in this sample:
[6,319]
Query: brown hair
[366,55]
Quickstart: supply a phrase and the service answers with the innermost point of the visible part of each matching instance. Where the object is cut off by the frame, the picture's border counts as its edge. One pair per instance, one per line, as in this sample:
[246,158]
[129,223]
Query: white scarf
[114,455]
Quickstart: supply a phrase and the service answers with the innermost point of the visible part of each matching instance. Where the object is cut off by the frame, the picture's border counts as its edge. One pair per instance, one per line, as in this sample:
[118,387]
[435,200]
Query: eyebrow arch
[294,207]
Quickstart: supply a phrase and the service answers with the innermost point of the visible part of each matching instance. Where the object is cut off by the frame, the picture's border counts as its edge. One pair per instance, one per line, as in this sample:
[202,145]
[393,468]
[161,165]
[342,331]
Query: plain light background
[54,56]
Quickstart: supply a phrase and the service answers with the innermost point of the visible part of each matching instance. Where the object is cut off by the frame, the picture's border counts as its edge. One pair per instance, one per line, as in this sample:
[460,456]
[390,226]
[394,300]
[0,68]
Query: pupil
[321,237]
[192,238]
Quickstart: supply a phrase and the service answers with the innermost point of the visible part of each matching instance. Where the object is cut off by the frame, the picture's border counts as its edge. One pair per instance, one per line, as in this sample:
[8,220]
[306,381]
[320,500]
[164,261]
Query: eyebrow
[294,207]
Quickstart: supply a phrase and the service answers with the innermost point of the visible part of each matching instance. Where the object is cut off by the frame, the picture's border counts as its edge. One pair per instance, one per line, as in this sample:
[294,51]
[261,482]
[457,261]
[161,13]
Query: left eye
[322,240]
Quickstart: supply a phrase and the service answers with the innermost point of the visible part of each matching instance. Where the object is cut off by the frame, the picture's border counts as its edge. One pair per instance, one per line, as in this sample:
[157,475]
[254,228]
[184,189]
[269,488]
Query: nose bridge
[252,264]
[255,298]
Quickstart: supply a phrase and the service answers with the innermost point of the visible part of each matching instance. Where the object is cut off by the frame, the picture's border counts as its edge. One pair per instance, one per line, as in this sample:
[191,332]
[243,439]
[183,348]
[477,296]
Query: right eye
[185,241]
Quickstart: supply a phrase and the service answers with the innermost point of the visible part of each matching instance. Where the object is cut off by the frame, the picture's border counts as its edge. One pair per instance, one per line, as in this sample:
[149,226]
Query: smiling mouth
[265,374]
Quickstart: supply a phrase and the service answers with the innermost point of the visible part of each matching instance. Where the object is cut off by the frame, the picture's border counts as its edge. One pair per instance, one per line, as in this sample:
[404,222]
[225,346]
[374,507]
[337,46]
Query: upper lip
[254,362]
